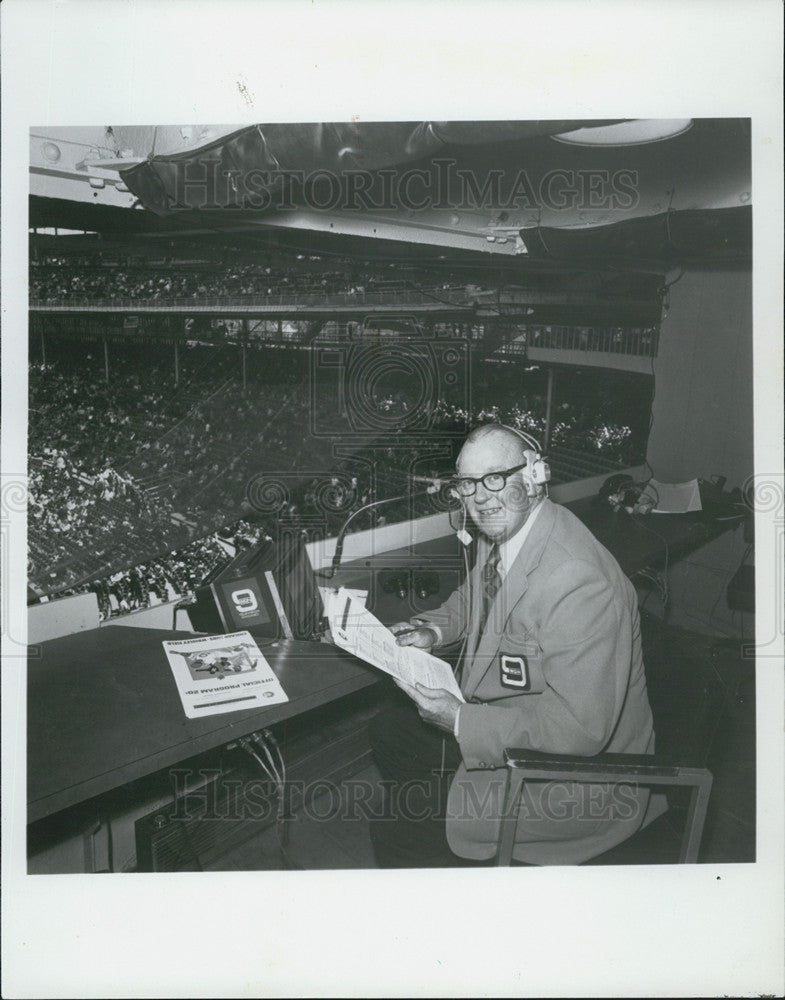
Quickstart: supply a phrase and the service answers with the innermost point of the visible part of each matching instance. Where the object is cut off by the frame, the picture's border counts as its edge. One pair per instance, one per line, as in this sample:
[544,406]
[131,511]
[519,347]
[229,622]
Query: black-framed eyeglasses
[495,482]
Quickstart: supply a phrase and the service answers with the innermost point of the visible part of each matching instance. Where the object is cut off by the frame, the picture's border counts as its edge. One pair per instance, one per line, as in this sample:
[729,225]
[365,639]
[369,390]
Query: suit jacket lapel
[514,586]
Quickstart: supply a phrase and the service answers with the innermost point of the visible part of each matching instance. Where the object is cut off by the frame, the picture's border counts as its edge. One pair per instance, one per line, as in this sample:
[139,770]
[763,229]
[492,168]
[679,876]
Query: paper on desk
[673,498]
[222,673]
[356,630]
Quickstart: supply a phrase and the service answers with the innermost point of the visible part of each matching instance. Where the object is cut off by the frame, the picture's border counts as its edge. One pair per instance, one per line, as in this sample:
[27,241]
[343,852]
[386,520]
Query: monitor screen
[244,603]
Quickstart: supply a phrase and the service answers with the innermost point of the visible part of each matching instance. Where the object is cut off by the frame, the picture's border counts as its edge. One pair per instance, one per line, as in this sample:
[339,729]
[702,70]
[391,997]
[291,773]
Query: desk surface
[638,540]
[103,709]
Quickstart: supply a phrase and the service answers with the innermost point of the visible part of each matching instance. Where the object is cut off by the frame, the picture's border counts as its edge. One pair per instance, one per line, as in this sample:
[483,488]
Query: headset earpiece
[528,472]
[536,474]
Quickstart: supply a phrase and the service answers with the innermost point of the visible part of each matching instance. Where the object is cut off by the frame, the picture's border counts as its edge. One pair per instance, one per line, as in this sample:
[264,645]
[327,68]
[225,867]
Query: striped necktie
[491,581]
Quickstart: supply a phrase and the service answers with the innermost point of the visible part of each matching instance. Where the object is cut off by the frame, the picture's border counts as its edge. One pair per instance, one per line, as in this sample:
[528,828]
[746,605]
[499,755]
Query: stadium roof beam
[514,193]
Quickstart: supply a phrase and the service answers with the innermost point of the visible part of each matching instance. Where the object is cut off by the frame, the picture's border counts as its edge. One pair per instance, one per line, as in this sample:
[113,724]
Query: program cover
[222,673]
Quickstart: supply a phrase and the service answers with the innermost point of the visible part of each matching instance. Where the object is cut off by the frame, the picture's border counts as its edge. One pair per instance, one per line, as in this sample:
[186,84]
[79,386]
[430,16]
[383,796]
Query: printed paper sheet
[358,631]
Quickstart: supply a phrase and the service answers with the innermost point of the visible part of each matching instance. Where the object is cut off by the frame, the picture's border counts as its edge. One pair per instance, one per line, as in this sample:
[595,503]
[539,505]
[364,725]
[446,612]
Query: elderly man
[550,661]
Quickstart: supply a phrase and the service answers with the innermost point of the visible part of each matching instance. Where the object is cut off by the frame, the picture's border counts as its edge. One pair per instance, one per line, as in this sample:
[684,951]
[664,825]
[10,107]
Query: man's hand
[435,705]
[420,636]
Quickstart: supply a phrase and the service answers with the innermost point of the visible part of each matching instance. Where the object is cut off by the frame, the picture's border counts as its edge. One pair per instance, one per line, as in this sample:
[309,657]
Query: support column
[106,359]
[243,349]
[176,363]
[548,412]
[43,347]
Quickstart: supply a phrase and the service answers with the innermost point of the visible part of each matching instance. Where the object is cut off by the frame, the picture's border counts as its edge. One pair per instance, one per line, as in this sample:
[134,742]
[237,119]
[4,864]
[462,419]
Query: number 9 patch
[514,672]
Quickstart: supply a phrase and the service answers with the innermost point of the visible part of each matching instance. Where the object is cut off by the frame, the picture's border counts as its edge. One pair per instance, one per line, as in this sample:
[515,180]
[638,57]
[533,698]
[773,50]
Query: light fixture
[636,132]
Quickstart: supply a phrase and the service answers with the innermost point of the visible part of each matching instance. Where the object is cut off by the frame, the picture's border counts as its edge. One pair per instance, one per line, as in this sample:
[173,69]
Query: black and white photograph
[453,431]
[395,347]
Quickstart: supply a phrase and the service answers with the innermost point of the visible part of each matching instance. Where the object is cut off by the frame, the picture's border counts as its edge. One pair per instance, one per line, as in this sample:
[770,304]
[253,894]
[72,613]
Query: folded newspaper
[222,673]
[356,630]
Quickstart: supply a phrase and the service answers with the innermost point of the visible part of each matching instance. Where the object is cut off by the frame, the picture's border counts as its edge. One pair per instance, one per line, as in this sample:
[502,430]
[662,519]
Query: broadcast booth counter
[101,795]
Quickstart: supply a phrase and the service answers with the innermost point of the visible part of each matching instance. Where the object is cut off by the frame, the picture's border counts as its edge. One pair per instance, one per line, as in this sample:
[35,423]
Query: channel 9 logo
[379,385]
[245,601]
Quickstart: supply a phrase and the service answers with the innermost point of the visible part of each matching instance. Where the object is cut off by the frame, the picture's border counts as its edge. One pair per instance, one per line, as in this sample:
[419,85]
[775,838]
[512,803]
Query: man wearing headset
[550,661]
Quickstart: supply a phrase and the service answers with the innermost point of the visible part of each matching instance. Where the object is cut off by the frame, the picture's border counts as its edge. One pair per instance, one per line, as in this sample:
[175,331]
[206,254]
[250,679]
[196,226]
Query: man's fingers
[427,692]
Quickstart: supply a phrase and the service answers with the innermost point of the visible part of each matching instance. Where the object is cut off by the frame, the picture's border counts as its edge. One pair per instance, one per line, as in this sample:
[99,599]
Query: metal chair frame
[609,768]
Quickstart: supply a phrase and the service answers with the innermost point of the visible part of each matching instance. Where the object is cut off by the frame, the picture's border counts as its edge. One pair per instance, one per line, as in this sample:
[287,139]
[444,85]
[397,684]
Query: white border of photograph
[697,930]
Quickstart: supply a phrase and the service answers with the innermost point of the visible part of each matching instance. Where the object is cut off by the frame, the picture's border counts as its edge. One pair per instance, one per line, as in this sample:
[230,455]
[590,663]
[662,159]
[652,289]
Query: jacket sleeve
[451,619]
[586,645]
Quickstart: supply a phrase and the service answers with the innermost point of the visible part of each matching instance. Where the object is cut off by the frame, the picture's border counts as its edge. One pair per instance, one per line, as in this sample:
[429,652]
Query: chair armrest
[656,768]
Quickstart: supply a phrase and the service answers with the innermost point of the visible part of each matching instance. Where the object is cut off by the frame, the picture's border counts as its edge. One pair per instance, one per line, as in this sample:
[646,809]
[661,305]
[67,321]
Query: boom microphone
[329,574]
[434,483]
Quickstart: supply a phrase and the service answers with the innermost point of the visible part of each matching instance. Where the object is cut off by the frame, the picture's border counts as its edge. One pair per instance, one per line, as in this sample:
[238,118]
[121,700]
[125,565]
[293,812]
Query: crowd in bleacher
[157,581]
[78,519]
[133,480]
[124,469]
[64,498]
[58,279]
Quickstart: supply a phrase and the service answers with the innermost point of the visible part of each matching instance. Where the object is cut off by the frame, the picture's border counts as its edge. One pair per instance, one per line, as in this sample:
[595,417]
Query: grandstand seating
[181,457]
[100,279]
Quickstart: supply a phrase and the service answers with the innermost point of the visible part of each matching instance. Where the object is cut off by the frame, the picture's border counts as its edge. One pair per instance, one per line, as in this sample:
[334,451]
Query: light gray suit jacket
[558,669]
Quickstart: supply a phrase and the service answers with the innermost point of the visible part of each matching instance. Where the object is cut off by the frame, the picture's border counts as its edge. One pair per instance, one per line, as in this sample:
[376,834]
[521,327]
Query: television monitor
[269,589]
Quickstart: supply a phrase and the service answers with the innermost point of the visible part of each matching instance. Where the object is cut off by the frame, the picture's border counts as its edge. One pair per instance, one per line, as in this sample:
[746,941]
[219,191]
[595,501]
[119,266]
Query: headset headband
[527,438]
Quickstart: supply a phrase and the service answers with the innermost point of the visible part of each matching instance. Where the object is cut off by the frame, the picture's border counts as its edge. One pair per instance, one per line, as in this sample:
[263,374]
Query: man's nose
[480,493]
